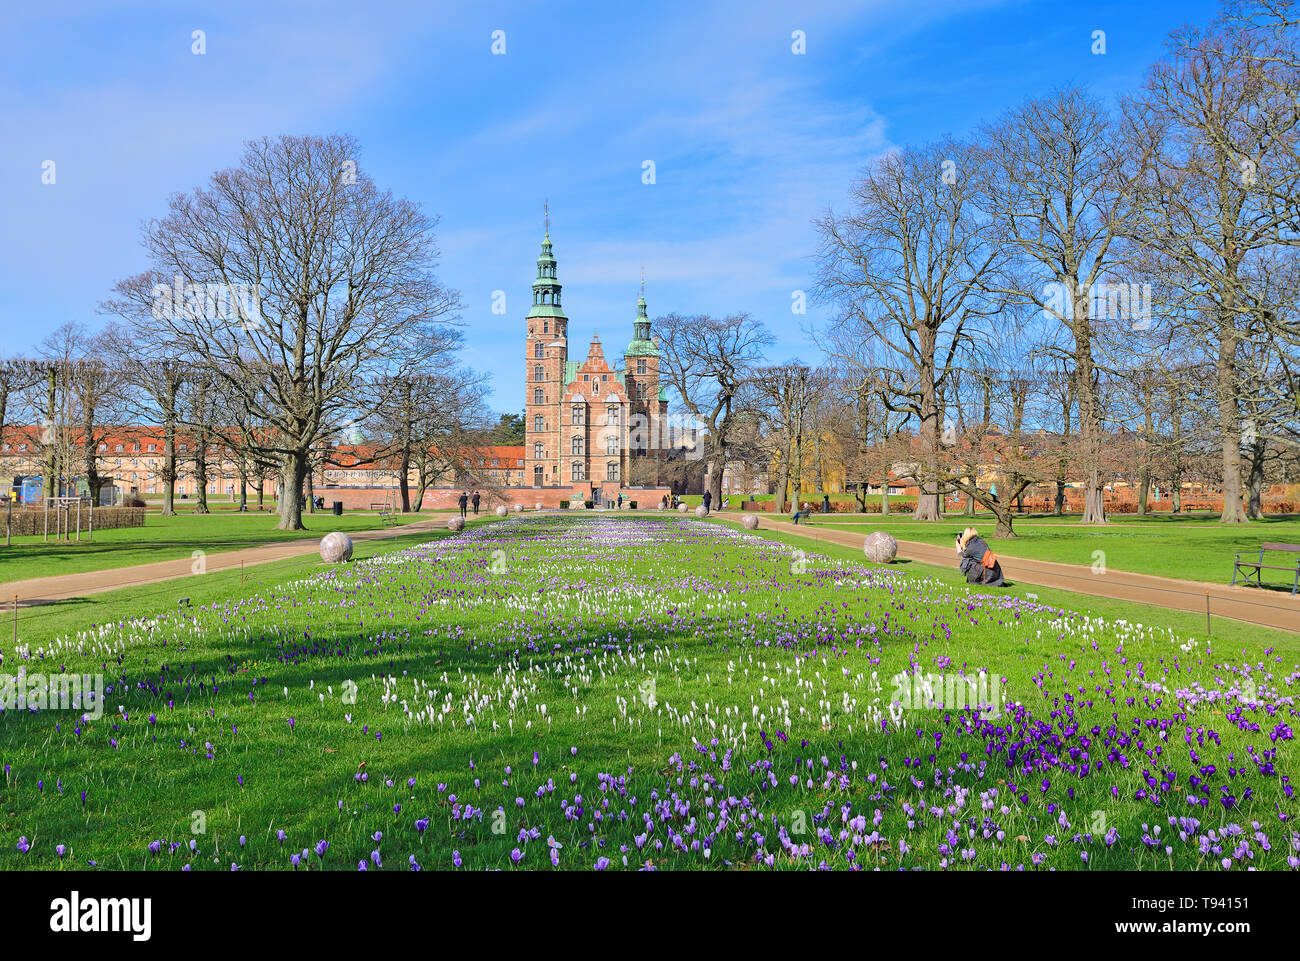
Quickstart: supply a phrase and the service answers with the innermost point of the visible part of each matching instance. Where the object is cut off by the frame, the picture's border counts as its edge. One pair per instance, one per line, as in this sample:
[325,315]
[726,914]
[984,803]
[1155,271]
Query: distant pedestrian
[463,501]
[826,503]
[620,500]
[476,502]
[708,499]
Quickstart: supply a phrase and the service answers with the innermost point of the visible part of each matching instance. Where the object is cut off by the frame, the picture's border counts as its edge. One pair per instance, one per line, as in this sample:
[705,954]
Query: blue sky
[749,140]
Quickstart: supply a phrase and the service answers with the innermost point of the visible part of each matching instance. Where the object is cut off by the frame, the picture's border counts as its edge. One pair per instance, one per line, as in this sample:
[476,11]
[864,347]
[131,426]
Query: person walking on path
[463,501]
[826,503]
[620,500]
[708,499]
[476,501]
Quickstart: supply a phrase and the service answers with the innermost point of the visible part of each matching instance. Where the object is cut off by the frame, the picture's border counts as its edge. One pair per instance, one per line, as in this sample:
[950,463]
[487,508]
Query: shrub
[28,521]
[564,505]
[631,505]
[588,504]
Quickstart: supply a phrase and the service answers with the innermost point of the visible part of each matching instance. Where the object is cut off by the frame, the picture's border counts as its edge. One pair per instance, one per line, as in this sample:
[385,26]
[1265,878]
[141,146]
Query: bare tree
[707,360]
[1066,186]
[1222,108]
[907,267]
[301,286]
[153,377]
[784,394]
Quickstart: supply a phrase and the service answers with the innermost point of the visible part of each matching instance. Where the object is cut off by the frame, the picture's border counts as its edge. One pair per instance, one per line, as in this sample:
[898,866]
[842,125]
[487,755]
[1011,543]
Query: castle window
[538,422]
[537,396]
[577,470]
[577,445]
[537,372]
[538,451]
[611,415]
[611,444]
[546,327]
[611,470]
[537,350]
[578,414]
[640,365]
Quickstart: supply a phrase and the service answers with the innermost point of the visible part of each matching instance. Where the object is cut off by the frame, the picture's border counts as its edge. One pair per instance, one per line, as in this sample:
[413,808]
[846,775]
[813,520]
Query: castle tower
[641,367]
[546,349]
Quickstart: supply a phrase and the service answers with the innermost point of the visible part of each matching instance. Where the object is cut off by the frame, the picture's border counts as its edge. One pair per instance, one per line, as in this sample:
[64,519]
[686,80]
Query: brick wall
[444,498]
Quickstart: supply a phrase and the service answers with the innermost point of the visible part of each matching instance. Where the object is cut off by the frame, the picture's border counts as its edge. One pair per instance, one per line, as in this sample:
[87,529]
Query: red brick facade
[588,426]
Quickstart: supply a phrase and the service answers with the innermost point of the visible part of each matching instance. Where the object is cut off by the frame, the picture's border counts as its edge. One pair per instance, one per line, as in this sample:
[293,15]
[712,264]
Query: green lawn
[1191,548]
[626,691]
[161,539]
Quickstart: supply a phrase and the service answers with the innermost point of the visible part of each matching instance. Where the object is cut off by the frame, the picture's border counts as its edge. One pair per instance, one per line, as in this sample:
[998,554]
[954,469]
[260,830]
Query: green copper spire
[641,345]
[546,289]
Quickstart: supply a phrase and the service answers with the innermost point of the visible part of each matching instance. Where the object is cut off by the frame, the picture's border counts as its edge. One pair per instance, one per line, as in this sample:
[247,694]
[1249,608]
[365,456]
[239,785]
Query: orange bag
[989,560]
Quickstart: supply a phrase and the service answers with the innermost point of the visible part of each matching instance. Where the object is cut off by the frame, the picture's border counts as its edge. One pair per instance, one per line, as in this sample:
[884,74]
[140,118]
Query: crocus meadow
[615,692]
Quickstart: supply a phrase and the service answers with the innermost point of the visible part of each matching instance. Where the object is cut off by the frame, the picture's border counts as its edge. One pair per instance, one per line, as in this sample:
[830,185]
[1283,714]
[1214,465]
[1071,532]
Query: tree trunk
[1229,422]
[52,410]
[1255,482]
[403,485]
[291,481]
[783,482]
[169,466]
[1144,485]
[201,473]
[928,507]
[1005,522]
[1094,500]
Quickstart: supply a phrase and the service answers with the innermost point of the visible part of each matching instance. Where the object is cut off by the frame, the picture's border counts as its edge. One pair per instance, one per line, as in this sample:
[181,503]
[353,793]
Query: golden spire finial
[546,215]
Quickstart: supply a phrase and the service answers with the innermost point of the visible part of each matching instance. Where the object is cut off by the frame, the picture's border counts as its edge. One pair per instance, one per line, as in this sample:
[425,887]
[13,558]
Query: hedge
[31,520]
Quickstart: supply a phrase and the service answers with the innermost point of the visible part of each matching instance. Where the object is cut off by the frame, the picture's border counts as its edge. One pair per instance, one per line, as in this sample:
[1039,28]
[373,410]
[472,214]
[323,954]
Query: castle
[590,429]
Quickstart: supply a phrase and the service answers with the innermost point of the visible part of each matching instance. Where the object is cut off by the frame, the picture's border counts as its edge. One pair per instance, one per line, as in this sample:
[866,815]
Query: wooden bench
[1258,567]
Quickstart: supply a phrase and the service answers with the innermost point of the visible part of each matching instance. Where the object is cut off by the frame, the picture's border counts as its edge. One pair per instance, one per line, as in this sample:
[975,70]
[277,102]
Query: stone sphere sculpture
[519,508]
[539,505]
[455,523]
[682,508]
[880,547]
[335,547]
[501,511]
[750,521]
[701,511]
